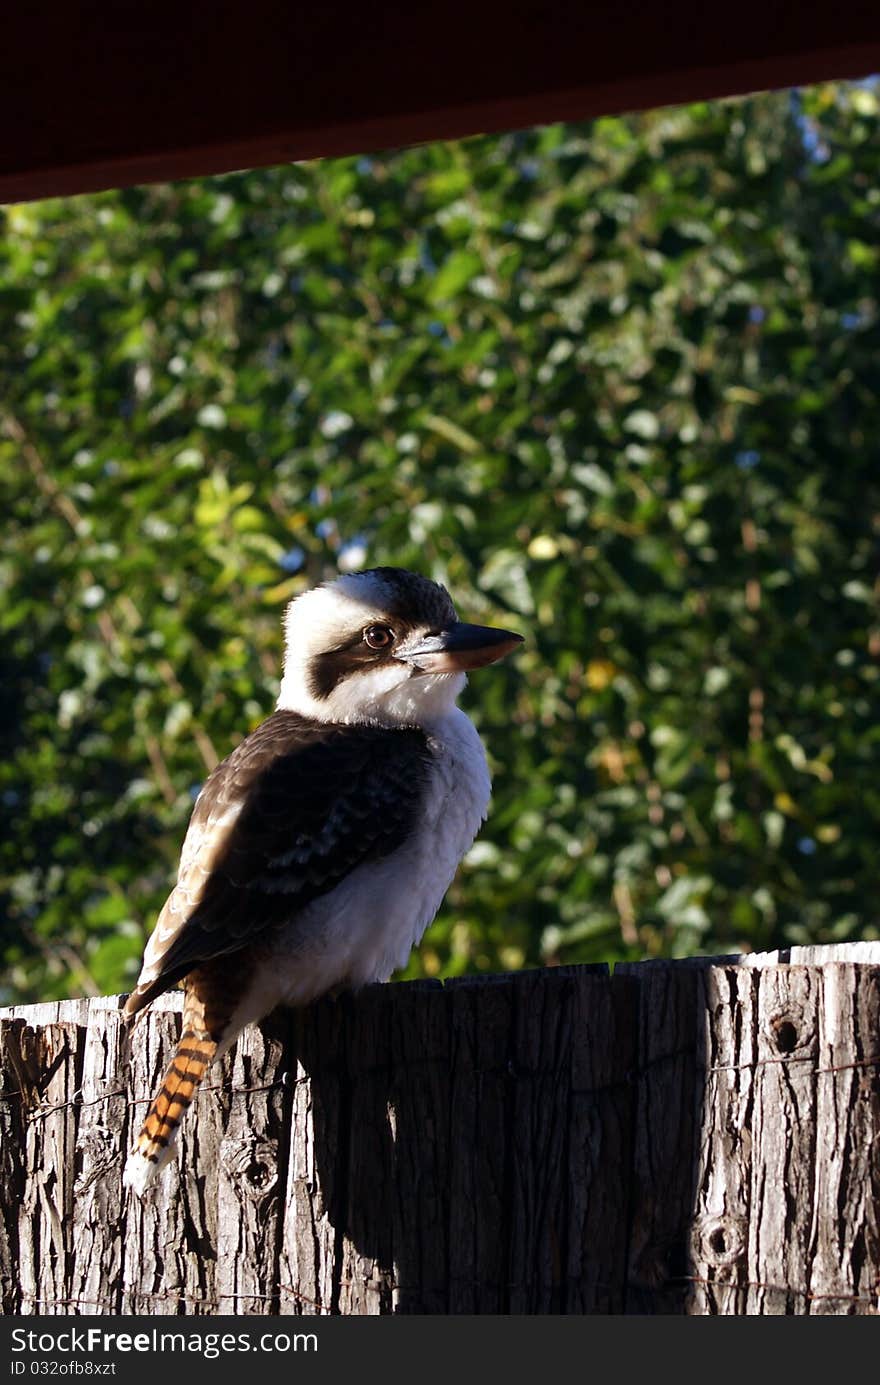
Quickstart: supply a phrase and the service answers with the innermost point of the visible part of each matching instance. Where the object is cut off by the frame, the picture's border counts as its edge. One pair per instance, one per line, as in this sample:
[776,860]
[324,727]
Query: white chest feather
[366,927]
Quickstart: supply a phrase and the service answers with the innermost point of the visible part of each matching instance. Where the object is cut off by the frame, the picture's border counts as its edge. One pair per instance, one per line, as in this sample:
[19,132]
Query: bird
[321,848]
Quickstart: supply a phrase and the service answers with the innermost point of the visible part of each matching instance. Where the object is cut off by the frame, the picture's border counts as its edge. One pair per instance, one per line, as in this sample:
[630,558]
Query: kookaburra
[319,851]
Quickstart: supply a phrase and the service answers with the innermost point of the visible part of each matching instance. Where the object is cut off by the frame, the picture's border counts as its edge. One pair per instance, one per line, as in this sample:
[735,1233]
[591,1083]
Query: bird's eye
[378,636]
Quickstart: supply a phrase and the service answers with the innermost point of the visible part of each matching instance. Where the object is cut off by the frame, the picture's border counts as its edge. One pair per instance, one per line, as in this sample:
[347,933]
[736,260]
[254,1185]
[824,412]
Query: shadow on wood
[689,1137]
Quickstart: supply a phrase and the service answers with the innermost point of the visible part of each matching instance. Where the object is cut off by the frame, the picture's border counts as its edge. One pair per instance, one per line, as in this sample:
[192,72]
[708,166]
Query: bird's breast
[365,928]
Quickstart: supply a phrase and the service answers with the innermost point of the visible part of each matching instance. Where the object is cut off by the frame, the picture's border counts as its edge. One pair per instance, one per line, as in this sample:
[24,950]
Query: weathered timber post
[680,1137]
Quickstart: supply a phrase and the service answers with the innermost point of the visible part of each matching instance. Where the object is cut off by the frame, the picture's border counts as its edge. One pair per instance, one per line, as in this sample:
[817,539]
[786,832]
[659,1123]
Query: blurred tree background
[616,384]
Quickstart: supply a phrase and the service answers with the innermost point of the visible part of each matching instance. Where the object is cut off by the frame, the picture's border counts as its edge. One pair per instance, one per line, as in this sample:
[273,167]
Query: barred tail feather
[194,1055]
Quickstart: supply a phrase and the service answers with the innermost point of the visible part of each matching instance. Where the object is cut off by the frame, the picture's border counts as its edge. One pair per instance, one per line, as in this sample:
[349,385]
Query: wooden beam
[95,95]
[683,1137]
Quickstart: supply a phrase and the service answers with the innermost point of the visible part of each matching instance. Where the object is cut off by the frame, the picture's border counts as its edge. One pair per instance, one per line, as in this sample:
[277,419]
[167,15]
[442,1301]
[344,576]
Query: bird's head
[381,646]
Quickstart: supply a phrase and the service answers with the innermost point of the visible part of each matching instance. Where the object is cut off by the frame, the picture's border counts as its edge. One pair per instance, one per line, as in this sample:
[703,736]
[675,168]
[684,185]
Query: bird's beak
[461,647]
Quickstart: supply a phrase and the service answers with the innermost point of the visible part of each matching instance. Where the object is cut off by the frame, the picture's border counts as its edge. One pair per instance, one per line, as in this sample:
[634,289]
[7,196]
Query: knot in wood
[785,1030]
[720,1240]
[252,1164]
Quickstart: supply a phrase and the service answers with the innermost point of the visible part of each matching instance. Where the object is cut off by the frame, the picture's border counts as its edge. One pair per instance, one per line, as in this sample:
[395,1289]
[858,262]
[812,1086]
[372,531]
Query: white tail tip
[140,1171]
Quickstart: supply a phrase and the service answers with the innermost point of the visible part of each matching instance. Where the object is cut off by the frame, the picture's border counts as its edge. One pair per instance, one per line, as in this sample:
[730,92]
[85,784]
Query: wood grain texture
[253,1156]
[98,1229]
[664,1135]
[788,1182]
[696,1137]
[46,1050]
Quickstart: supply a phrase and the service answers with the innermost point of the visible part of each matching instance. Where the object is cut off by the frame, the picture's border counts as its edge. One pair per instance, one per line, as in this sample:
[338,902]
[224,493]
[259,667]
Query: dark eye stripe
[326,671]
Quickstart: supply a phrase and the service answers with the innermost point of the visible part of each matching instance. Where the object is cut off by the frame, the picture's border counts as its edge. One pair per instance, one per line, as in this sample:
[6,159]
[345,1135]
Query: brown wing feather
[281,821]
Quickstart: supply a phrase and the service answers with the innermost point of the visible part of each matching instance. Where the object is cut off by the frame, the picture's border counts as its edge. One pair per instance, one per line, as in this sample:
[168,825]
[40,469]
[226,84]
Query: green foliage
[615,384]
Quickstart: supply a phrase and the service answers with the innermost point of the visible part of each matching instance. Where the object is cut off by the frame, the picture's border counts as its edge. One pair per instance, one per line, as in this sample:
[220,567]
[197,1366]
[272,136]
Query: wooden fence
[687,1137]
